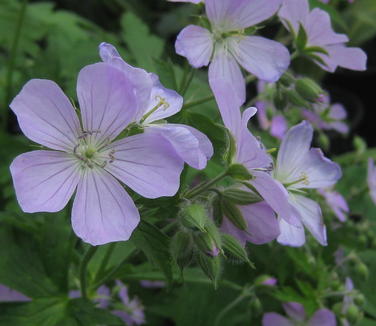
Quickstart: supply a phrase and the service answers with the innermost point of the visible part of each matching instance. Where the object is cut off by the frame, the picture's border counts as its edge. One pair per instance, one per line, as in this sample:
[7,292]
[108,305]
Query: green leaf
[302,38]
[156,247]
[144,46]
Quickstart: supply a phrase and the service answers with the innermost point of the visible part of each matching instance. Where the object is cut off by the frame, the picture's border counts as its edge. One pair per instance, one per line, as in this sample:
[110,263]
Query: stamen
[303,179]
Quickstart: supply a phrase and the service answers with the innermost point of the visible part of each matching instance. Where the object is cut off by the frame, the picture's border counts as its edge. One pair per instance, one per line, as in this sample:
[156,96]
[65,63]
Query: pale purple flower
[157,103]
[262,225]
[297,316]
[317,25]
[85,156]
[132,312]
[102,298]
[270,281]
[371,179]
[9,295]
[300,167]
[152,284]
[192,1]
[327,116]
[253,156]
[336,202]
[226,46]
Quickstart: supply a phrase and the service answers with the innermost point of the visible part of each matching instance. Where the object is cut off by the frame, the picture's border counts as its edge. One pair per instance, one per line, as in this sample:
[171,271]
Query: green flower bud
[256,306]
[241,197]
[362,270]
[287,79]
[353,314]
[181,247]
[360,299]
[233,213]
[308,89]
[206,244]
[337,308]
[363,239]
[194,216]
[295,98]
[211,266]
[280,100]
[233,248]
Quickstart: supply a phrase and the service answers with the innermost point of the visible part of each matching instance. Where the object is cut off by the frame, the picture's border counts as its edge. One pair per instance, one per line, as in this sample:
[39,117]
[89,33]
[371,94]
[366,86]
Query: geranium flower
[317,25]
[9,295]
[157,103]
[226,46]
[86,155]
[297,316]
[300,167]
[371,179]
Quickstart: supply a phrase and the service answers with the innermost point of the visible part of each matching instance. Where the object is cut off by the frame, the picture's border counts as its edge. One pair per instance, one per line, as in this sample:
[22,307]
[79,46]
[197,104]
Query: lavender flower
[251,154]
[157,103]
[9,295]
[297,316]
[277,126]
[300,167]
[226,46]
[336,202]
[152,284]
[192,1]
[371,179]
[132,312]
[87,157]
[326,116]
[317,25]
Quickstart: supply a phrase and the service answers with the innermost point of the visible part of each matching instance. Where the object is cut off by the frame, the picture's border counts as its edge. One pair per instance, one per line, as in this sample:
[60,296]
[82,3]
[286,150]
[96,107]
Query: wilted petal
[148,164]
[229,15]
[263,226]
[294,147]
[44,180]
[107,100]
[311,216]
[319,29]
[340,55]
[184,142]
[267,59]
[46,115]
[102,211]
[275,195]
[274,319]
[295,310]
[140,79]
[196,44]
[291,235]
[167,100]
[294,12]
[225,68]
[323,317]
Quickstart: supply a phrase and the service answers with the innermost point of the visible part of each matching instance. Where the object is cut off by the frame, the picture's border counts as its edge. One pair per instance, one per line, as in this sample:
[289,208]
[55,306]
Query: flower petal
[102,211]
[294,12]
[107,100]
[319,171]
[267,59]
[294,147]
[291,235]
[184,142]
[278,126]
[311,216]
[10,295]
[274,319]
[275,195]
[340,55]
[319,29]
[44,180]
[230,15]
[196,44]
[140,78]
[295,310]
[263,225]
[46,115]
[225,68]
[148,164]
[172,102]
[323,317]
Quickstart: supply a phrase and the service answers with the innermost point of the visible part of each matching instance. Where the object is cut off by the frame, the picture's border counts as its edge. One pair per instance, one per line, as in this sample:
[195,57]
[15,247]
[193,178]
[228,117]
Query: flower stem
[106,259]
[243,295]
[205,186]
[12,61]
[83,270]
[198,102]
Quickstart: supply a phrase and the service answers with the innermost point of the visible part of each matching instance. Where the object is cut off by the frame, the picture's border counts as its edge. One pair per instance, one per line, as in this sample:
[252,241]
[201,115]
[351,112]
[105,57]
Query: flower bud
[266,280]
[256,306]
[211,266]
[337,308]
[295,98]
[360,299]
[287,79]
[217,210]
[238,171]
[181,248]
[234,249]
[308,89]
[233,213]
[280,100]
[206,244]
[362,270]
[241,197]
[194,216]
[353,314]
